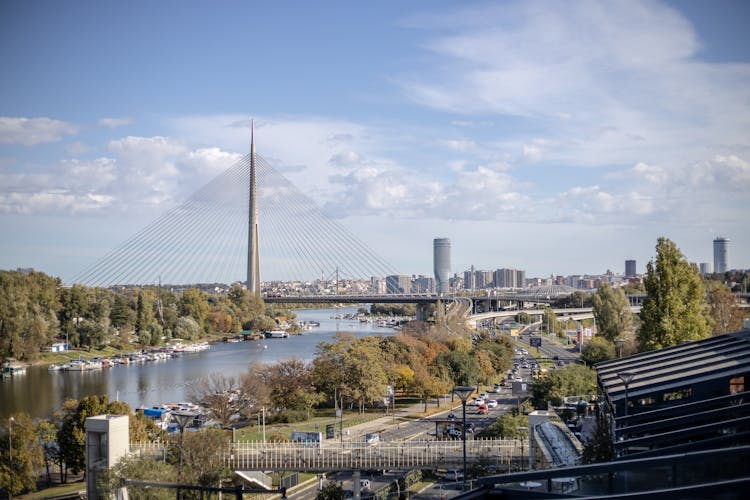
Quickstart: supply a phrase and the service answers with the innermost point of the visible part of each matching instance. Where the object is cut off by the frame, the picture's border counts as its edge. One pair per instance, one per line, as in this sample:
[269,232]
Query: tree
[221,394]
[144,318]
[600,446]
[612,313]
[142,468]
[71,434]
[573,380]
[461,367]
[203,457]
[331,491]
[675,309]
[726,316]
[27,457]
[549,320]
[194,304]
[186,328]
[596,350]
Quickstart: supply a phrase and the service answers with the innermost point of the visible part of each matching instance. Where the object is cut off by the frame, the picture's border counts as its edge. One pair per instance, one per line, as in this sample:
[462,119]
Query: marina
[150,379]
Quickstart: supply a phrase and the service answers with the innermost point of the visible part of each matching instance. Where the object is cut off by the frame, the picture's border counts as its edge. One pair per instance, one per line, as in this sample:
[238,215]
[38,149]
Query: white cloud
[116,122]
[459,144]
[31,131]
[615,82]
[142,172]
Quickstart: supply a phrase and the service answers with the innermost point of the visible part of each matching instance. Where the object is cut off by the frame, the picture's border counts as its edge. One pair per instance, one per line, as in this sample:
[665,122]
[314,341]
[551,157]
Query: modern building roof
[674,367]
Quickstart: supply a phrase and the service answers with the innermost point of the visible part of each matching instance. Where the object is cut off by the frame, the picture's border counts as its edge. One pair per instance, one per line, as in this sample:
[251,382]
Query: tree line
[37,311]
[680,305]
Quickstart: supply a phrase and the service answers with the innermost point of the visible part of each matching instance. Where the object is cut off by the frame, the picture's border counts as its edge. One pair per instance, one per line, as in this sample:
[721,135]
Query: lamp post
[183,418]
[627,378]
[619,343]
[463,392]
[10,457]
[524,429]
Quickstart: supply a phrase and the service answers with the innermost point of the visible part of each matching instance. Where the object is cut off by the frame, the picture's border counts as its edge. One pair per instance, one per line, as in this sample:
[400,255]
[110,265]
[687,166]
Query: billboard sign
[535,341]
[520,388]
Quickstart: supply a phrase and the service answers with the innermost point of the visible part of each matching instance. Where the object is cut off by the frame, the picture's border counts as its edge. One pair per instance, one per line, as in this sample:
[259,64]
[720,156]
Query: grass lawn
[59,489]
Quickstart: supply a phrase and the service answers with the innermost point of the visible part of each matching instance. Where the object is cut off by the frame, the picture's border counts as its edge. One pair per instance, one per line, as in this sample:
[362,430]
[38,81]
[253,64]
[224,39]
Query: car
[492,403]
[518,379]
[483,395]
[364,484]
[455,433]
[483,409]
[451,416]
[454,475]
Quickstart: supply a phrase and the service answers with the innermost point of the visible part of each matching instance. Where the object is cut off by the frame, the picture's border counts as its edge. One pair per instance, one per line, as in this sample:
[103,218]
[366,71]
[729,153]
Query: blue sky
[556,137]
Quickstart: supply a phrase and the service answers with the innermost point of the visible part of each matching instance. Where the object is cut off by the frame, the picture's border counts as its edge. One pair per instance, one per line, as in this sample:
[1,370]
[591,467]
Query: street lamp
[183,418]
[10,457]
[619,343]
[463,392]
[523,430]
[627,378]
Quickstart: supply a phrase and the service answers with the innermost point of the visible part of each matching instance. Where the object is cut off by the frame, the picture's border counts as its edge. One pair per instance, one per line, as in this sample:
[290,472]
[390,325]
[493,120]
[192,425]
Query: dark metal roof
[716,357]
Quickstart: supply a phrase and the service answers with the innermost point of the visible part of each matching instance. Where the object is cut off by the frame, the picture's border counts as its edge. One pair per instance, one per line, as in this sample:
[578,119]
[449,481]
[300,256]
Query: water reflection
[41,392]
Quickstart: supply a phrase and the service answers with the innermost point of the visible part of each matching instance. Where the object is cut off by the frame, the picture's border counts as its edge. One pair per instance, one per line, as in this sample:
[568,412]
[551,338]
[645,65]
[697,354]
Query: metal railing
[355,455]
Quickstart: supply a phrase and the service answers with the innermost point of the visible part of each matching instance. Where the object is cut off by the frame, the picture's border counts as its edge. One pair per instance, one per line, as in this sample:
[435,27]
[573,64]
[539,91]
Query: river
[40,392]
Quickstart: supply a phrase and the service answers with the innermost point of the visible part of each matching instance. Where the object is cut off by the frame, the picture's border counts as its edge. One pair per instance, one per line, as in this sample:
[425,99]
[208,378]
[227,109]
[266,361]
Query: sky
[558,137]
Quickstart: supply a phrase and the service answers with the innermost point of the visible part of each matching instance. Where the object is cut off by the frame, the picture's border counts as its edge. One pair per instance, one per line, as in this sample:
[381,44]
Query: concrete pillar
[423,311]
[107,440]
[355,480]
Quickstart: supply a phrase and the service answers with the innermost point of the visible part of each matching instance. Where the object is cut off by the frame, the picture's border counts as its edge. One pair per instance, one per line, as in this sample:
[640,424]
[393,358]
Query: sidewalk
[386,422]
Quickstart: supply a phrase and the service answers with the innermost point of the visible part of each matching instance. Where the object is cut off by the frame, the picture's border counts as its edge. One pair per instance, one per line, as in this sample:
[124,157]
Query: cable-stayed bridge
[205,239]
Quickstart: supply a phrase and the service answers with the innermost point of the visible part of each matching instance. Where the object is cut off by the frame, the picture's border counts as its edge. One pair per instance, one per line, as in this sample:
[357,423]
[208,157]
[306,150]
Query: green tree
[549,320]
[726,315]
[612,313]
[142,468]
[203,457]
[194,303]
[573,380]
[461,367]
[186,328]
[596,350]
[144,317]
[71,434]
[675,308]
[27,456]
[28,313]
[331,491]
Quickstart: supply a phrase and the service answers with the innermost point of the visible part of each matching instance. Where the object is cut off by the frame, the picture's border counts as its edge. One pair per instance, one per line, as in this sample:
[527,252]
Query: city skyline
[559,138]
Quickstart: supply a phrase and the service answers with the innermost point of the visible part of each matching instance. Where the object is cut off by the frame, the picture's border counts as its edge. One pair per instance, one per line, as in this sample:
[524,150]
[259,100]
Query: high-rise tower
[253,254]
[721,255]
[630,269]
[442,263]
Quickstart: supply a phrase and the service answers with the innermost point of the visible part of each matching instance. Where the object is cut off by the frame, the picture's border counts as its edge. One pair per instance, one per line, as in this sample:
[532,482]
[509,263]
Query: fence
[333,455]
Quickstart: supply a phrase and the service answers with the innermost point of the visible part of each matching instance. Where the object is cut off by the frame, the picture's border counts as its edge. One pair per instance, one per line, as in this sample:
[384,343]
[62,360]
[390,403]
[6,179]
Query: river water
[40,392]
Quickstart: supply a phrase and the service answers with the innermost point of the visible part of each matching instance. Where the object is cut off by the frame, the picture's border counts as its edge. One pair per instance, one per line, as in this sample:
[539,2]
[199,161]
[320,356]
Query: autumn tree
[612,313]
[726,315]
[221,394]
[675,308]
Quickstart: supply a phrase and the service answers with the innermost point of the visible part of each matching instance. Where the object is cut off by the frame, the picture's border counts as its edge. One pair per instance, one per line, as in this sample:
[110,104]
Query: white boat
[276,334]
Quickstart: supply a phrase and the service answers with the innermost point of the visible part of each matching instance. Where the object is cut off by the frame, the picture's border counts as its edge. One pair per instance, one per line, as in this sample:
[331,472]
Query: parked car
[454,475]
